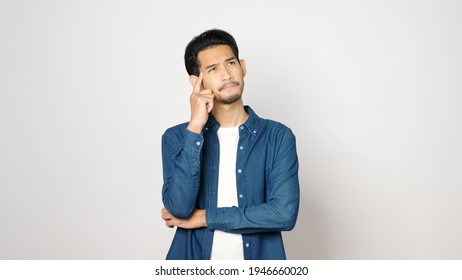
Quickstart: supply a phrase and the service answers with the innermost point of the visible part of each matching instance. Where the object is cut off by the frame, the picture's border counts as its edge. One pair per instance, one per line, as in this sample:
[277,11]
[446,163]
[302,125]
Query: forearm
[196,220]
[181,164]
[265,217]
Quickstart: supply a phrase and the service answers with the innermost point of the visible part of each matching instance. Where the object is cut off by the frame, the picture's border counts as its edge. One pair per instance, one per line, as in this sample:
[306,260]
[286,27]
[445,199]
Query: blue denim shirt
[267,187]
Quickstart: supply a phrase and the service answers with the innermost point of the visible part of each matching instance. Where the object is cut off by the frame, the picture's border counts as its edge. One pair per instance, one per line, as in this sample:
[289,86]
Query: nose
[226,75]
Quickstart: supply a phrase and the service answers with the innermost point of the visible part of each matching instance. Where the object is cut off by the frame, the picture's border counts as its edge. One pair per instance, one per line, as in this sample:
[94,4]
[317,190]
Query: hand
[196,220]
[201,101]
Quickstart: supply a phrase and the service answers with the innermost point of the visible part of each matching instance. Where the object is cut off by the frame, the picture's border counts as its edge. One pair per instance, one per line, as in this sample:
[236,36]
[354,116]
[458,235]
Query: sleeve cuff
[193,142]
[215,218]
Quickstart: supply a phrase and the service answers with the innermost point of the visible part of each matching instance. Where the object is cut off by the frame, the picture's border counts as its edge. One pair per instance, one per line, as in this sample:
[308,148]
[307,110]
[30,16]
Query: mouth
[229,85]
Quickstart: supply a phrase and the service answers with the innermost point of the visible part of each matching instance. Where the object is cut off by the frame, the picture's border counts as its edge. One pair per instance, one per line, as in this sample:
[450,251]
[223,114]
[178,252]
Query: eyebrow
[213,65]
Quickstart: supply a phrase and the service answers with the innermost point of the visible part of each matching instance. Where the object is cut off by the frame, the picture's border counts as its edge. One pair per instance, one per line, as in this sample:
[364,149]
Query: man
[230,177]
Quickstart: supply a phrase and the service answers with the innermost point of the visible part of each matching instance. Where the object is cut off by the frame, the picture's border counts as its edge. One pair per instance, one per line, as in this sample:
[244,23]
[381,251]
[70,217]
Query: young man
[230,177]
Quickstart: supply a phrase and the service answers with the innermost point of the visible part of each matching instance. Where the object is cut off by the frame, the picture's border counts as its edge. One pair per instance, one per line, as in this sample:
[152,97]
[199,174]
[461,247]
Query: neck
[230,115]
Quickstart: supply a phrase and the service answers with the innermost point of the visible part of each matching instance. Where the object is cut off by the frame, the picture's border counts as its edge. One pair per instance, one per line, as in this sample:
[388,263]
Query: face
[223,73]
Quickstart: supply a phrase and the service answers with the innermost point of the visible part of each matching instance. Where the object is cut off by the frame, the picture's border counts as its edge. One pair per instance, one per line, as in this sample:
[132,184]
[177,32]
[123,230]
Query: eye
[212,69]
[232,62]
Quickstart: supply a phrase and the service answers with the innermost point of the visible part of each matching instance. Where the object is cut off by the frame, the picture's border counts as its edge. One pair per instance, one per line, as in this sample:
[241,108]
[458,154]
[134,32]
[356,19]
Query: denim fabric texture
[267,187]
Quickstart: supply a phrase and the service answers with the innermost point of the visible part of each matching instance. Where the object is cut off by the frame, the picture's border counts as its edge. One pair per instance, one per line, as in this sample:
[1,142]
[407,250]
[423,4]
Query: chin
[229,99]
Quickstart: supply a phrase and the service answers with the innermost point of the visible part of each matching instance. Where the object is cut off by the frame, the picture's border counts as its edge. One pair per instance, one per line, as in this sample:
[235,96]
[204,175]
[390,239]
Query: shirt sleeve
[181,154]
[280,210]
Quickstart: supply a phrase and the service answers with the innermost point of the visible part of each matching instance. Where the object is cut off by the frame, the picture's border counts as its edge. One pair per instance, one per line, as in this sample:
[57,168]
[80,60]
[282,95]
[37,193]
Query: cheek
[207,82]
[237,73]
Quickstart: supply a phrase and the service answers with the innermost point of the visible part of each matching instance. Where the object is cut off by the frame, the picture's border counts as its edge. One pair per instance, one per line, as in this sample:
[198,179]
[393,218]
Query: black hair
[203,41]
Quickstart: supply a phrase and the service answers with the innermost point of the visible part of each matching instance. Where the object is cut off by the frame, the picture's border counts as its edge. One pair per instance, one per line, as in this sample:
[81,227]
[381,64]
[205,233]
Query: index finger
[197,85]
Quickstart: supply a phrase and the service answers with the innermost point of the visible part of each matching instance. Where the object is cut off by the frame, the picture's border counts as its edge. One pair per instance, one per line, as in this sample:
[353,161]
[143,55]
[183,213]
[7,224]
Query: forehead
[214,54]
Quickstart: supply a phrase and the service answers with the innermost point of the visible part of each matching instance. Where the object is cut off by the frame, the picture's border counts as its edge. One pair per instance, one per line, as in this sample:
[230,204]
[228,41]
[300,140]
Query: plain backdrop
[372,90]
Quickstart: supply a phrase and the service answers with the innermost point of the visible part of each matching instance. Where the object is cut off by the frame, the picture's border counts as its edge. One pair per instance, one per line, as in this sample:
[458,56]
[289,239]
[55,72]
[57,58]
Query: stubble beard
[230,99]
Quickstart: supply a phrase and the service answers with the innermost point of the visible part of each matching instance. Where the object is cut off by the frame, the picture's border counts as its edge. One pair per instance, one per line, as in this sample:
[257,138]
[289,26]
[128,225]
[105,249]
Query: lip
[228,86]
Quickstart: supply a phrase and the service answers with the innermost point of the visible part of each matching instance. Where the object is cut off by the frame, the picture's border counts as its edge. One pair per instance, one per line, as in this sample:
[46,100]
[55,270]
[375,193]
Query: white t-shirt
[227,246]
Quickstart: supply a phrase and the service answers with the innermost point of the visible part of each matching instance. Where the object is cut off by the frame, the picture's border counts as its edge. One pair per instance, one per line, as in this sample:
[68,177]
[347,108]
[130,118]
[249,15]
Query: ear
[193,79]
[243,67]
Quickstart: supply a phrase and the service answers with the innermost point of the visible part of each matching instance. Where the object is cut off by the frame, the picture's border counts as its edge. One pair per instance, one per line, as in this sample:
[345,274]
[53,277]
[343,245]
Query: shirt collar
[252,121]
[251,124]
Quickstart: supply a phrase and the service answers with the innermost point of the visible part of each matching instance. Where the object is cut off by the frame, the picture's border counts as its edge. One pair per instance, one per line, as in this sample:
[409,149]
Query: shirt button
[241,148]
[247,245]
[242,127]
[198,143]
[241,196]
[254,132]
[239,171]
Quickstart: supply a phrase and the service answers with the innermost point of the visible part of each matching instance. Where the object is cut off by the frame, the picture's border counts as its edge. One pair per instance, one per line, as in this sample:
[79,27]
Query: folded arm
[279,213]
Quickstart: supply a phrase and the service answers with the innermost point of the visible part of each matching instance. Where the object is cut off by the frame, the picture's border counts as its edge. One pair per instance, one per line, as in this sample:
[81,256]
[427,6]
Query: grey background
[372,89]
